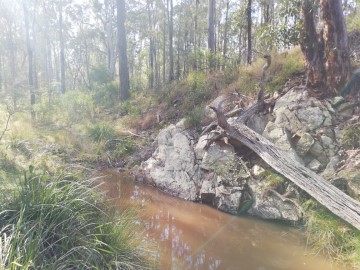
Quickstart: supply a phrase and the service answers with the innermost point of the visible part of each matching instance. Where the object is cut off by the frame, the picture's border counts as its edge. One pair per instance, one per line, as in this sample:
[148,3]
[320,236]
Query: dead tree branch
[321,190]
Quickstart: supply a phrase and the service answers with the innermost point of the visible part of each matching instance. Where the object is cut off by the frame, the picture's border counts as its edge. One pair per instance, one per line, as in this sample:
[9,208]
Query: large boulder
[268,203]
[271,205]
[172,168]
[228,199]
[303,127]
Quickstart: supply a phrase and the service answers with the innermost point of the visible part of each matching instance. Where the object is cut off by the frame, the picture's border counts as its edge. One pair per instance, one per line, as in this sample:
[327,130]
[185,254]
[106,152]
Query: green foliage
[120,148]
[283,68]
[100,75]
[184,97]
[328,235]
[56,223]
[78,105]
[106,94]
[130,108]
[248,83]
[101,132]
[196,81]
[199,91]
[351,136]
[194,117]
[245,206]
[6,164]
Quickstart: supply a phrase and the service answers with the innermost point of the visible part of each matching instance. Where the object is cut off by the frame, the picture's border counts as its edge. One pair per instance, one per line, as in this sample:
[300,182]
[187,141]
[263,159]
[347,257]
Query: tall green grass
[57,223]
[332,237]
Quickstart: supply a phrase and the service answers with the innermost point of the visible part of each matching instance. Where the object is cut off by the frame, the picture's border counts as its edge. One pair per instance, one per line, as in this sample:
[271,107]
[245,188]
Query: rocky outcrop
[299,124]
[344,172]
[172,168]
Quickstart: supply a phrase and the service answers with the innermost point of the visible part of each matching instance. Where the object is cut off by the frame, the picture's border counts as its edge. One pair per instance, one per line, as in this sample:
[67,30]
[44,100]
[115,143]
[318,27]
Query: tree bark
[110,39]
[211,25]
[151,47]
[226,27]
[326,51]
[249,32]
[164,47]
[30,55]
[62,49]
[171,34]
[124,90]
[337,61]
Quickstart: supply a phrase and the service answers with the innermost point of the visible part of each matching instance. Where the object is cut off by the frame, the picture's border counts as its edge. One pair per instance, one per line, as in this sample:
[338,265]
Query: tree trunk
[123,62]
[151,48]
[164,47]
[178,58]
[249,34]
[171,34]
[110,39]
[337,62]
[30,55]
[325,52]
[311,46]
[226,27]
[195,65]
[62,50]
[211,25]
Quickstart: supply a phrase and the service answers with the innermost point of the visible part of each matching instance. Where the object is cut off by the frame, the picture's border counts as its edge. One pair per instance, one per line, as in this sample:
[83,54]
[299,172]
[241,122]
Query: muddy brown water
[194,236]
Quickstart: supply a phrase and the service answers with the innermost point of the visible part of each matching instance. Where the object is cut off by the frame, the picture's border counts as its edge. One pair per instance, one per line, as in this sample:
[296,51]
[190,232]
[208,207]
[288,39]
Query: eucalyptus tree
[170,8]
[249,31]
[325,50]
[30,38]
[124,90]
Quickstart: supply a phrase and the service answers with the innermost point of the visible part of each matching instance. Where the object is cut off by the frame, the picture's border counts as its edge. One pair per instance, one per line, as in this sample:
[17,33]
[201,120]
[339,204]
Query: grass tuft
[56,223]
[329,235]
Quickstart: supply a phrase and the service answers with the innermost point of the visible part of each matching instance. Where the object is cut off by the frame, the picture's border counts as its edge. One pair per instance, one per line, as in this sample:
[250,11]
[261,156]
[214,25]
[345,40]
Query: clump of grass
[284,67]
[351,136]
[329,235]
[101,132]
[121,147]
[56,223]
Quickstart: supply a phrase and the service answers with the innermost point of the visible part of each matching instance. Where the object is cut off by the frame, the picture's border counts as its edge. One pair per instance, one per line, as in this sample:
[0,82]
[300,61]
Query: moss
[351,136]
[273,180]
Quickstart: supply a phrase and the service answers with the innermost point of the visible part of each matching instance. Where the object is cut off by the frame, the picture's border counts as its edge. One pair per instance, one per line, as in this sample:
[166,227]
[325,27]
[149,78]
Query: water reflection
[195,236]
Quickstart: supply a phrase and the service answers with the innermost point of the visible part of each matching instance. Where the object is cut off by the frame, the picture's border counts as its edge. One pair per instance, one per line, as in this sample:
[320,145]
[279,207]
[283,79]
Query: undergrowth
[58,223]
[330,236]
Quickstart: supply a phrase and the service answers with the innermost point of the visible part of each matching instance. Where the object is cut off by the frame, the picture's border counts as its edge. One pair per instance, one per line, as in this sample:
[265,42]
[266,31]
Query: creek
[195,236]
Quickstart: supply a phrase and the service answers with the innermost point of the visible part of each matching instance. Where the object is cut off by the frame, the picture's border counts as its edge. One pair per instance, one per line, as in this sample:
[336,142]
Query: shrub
[106,94]
[101,132]
[77,104]
[121,147]
[194,117]
[100,74]
[56,223]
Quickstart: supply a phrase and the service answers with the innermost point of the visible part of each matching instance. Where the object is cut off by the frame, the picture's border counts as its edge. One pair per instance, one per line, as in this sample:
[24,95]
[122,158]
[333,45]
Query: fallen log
[317,187]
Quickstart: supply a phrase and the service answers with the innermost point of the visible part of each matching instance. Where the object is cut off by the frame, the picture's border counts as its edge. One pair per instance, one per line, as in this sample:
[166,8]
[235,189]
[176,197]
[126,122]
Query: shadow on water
[195,236]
